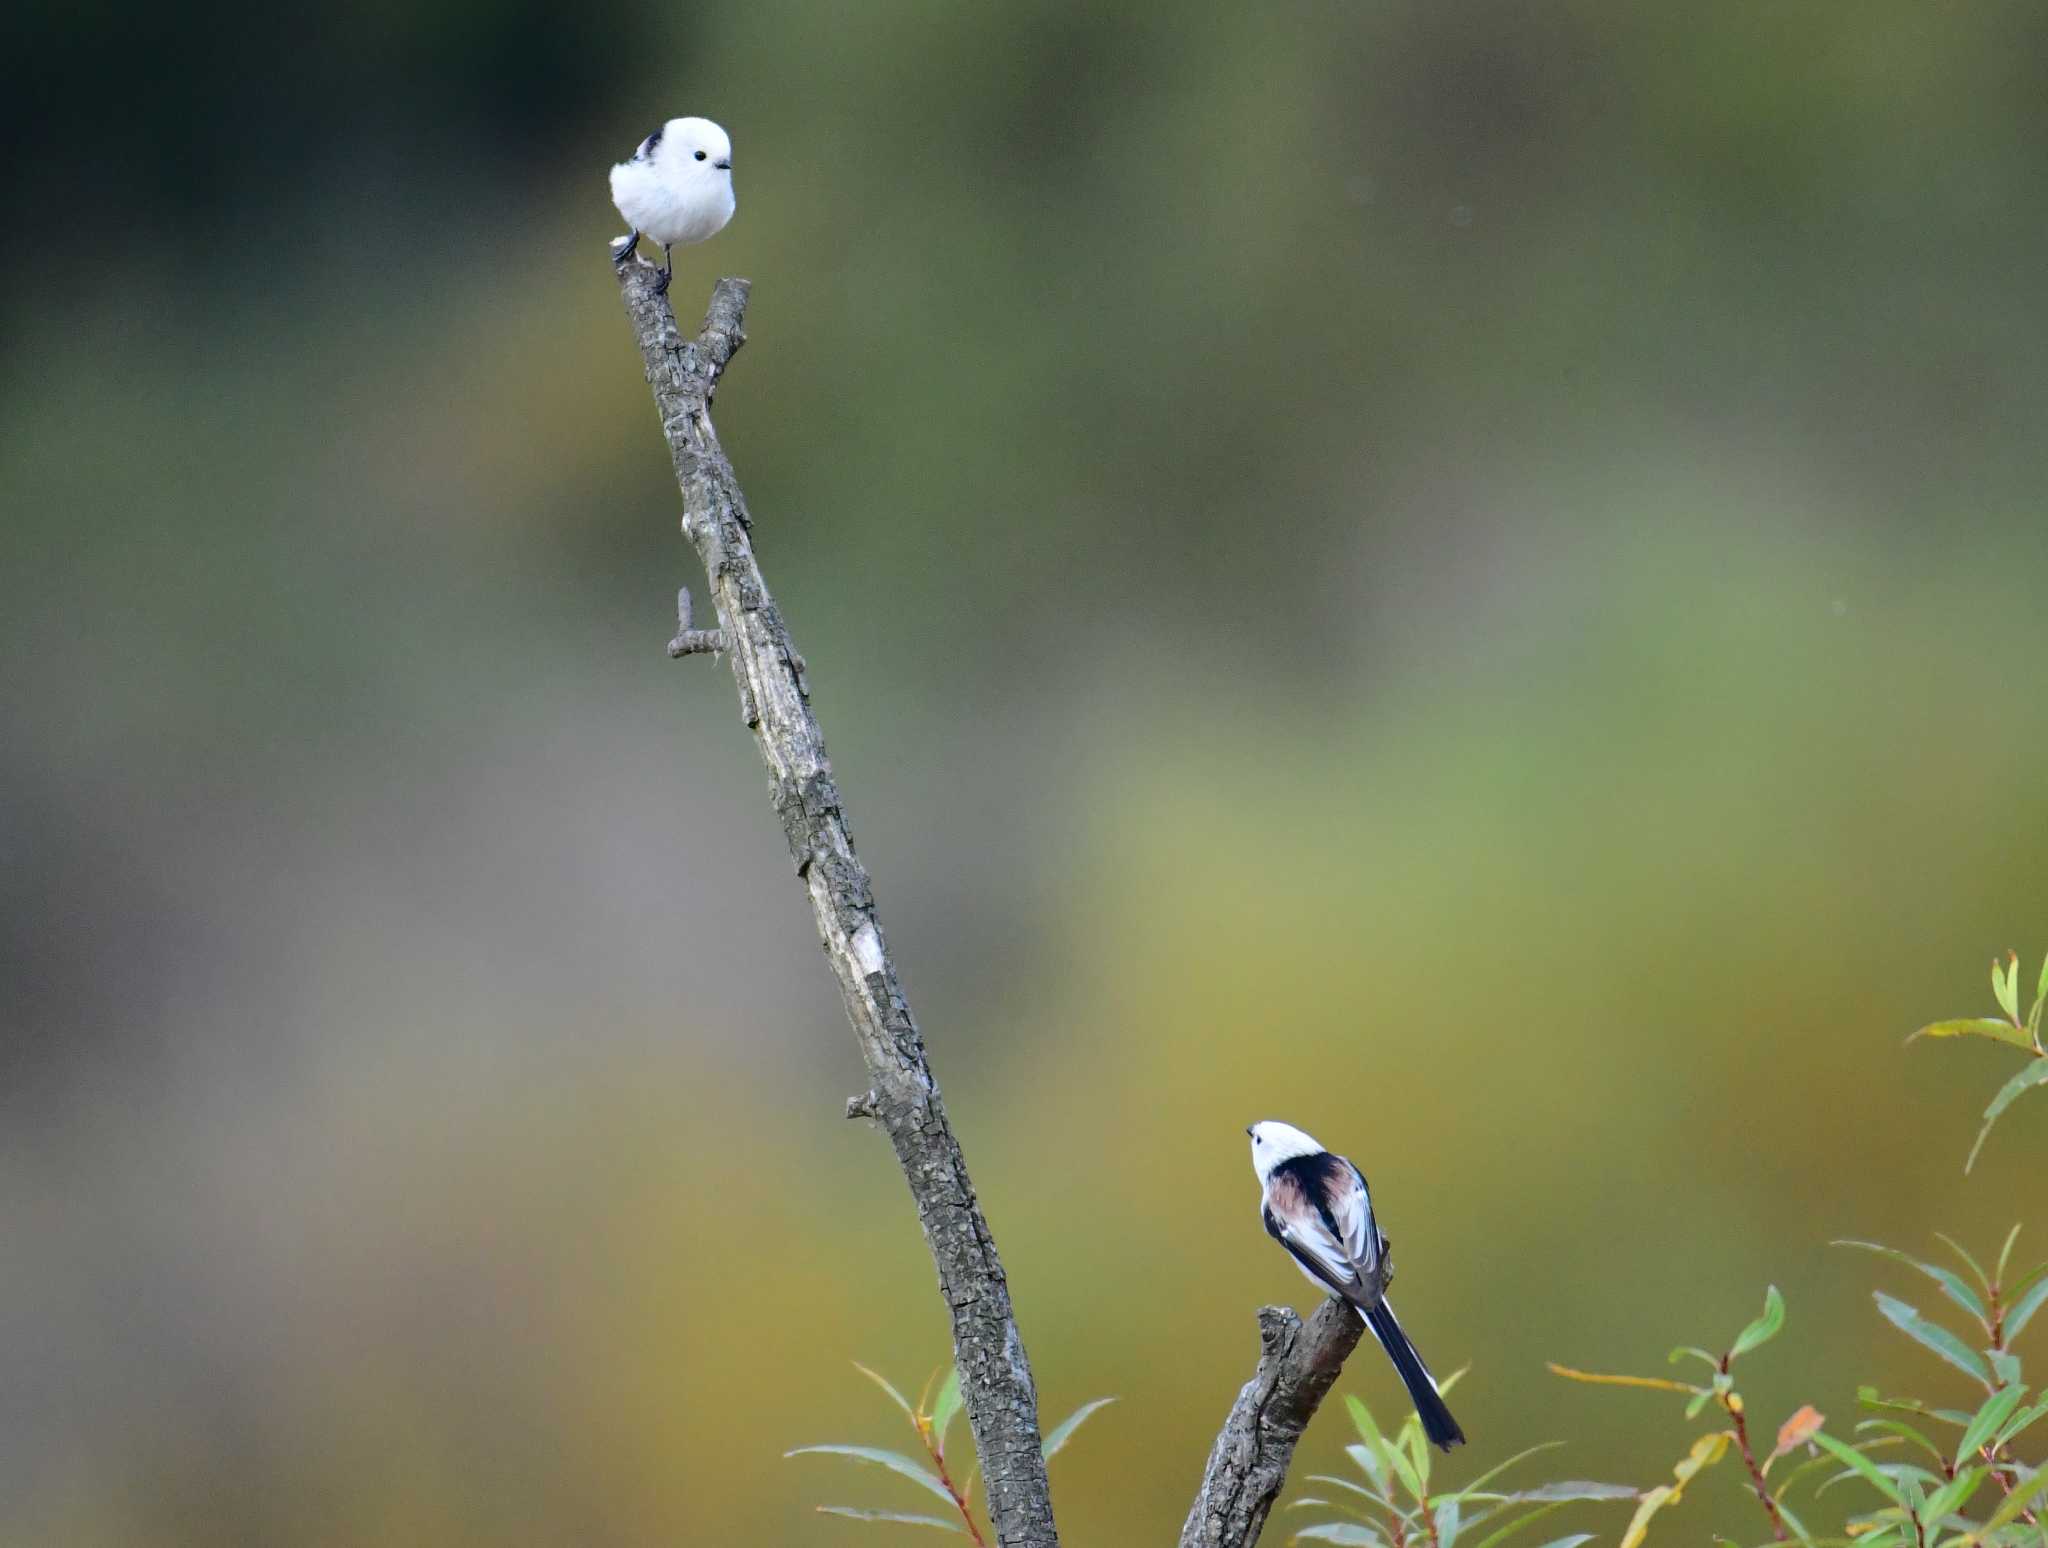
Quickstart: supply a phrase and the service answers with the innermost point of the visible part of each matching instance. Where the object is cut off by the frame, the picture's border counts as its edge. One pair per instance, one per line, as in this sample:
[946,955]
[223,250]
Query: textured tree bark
[1297,1366]
[995,1376]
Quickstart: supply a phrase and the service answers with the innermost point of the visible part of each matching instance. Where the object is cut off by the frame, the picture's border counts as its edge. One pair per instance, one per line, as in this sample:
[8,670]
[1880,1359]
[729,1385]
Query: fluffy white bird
[677,189]
[1316,1205]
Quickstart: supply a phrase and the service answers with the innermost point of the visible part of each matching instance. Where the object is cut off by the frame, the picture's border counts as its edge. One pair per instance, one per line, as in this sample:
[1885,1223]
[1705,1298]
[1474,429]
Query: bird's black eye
[700,155]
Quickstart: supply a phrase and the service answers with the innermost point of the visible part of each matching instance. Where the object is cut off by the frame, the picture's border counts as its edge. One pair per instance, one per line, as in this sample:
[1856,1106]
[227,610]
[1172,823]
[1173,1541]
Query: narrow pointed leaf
[2005,1252]
[1977,1026]
[1933,1336]
[1363,1422]
[1419,1452]
[1990,1418]
[1501,1533]
[2006,986]
[2033,1075]
[2022,1311]
[892,1516]
[1569,1542]
[1578,1489]
[1653,1502]
[1064,1430]
[1904,1432]
[1764,1328]
[1397,1458]
[1713,1361]
[894,1461]
[1952,1283]
[2023,1420]
[1953,1495]
[1376,1496]
[1659,1383]
[1344,1532]
[1965,1254]
[1498,1468]
[2010,1507]
[1446,1519]
[945,1408]
[1857,1462]
[1372,1462]
[894,1396]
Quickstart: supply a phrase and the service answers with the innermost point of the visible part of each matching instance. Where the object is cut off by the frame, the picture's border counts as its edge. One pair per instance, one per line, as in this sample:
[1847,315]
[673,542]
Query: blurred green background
[1466,575]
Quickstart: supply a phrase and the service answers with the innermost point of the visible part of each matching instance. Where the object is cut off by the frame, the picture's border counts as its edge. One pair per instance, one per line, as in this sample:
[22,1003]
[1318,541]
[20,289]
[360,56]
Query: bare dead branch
[1298,1364]
[995,1376]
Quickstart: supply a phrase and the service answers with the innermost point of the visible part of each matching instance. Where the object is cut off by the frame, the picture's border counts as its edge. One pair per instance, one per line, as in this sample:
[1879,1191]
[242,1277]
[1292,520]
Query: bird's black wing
[1321,1258]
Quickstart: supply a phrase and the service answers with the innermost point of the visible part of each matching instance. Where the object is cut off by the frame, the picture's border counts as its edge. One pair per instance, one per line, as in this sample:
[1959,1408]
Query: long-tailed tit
[1316,1205]
[677,189]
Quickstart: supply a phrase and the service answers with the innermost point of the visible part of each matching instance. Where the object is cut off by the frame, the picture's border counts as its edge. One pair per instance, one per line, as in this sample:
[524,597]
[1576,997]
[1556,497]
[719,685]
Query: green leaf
[1344,1532]
[1578,1489]
[1989,1420]
[2029,1077]
[890,1515]
[1064,1430]
[1977,1026]
[1445,1518]
[1764,1328]
[1953,1495]
[1501,1533]
[1951,1283]
[1963,1252]
[1498,1468]
[2010,1507]
[1713,1363]
[2022,1311]
[1798,1527]
[2005,1367]
[945,1408]
[1372,1462]
[1699,1401]
[1569,1542]
[2005,984]
[1659,1383]
[894,1461]
[1376,1496]
[1397,1458]
[1859,1463]
[894,1396]
[1932,1336]
[1905,1432]
[1371,1457]
[2005,1254]
[1418,1452]
[2022,1420]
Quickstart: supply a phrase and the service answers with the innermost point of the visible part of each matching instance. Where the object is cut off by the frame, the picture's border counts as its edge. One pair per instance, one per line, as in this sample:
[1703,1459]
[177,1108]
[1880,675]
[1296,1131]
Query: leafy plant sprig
[2011,1029]
[1930,1501]
[932,1417]
[1393,1506]
[1798,1430]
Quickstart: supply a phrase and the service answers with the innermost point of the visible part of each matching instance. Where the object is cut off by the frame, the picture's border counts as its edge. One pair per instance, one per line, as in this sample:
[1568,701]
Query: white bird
[1317,1206]
[677,189]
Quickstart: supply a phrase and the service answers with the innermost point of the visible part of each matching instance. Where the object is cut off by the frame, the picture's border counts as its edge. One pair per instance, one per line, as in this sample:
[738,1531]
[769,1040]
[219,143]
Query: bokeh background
[1466,575]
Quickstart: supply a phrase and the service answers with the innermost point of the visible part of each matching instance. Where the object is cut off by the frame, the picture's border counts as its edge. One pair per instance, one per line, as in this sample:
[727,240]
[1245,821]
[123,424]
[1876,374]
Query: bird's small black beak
[723,166]
[1247,1128]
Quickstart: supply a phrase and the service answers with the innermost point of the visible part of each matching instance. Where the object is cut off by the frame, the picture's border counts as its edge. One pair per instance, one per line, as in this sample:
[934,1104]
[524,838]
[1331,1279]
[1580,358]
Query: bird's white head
[1274,1142]
[695,147]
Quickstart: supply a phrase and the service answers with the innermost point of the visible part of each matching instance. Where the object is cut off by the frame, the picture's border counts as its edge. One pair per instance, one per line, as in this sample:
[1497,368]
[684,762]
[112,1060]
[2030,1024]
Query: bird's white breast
[669,208]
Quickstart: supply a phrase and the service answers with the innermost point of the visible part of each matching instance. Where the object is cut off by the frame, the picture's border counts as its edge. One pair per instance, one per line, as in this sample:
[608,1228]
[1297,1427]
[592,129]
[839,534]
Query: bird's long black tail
[1437,1422]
